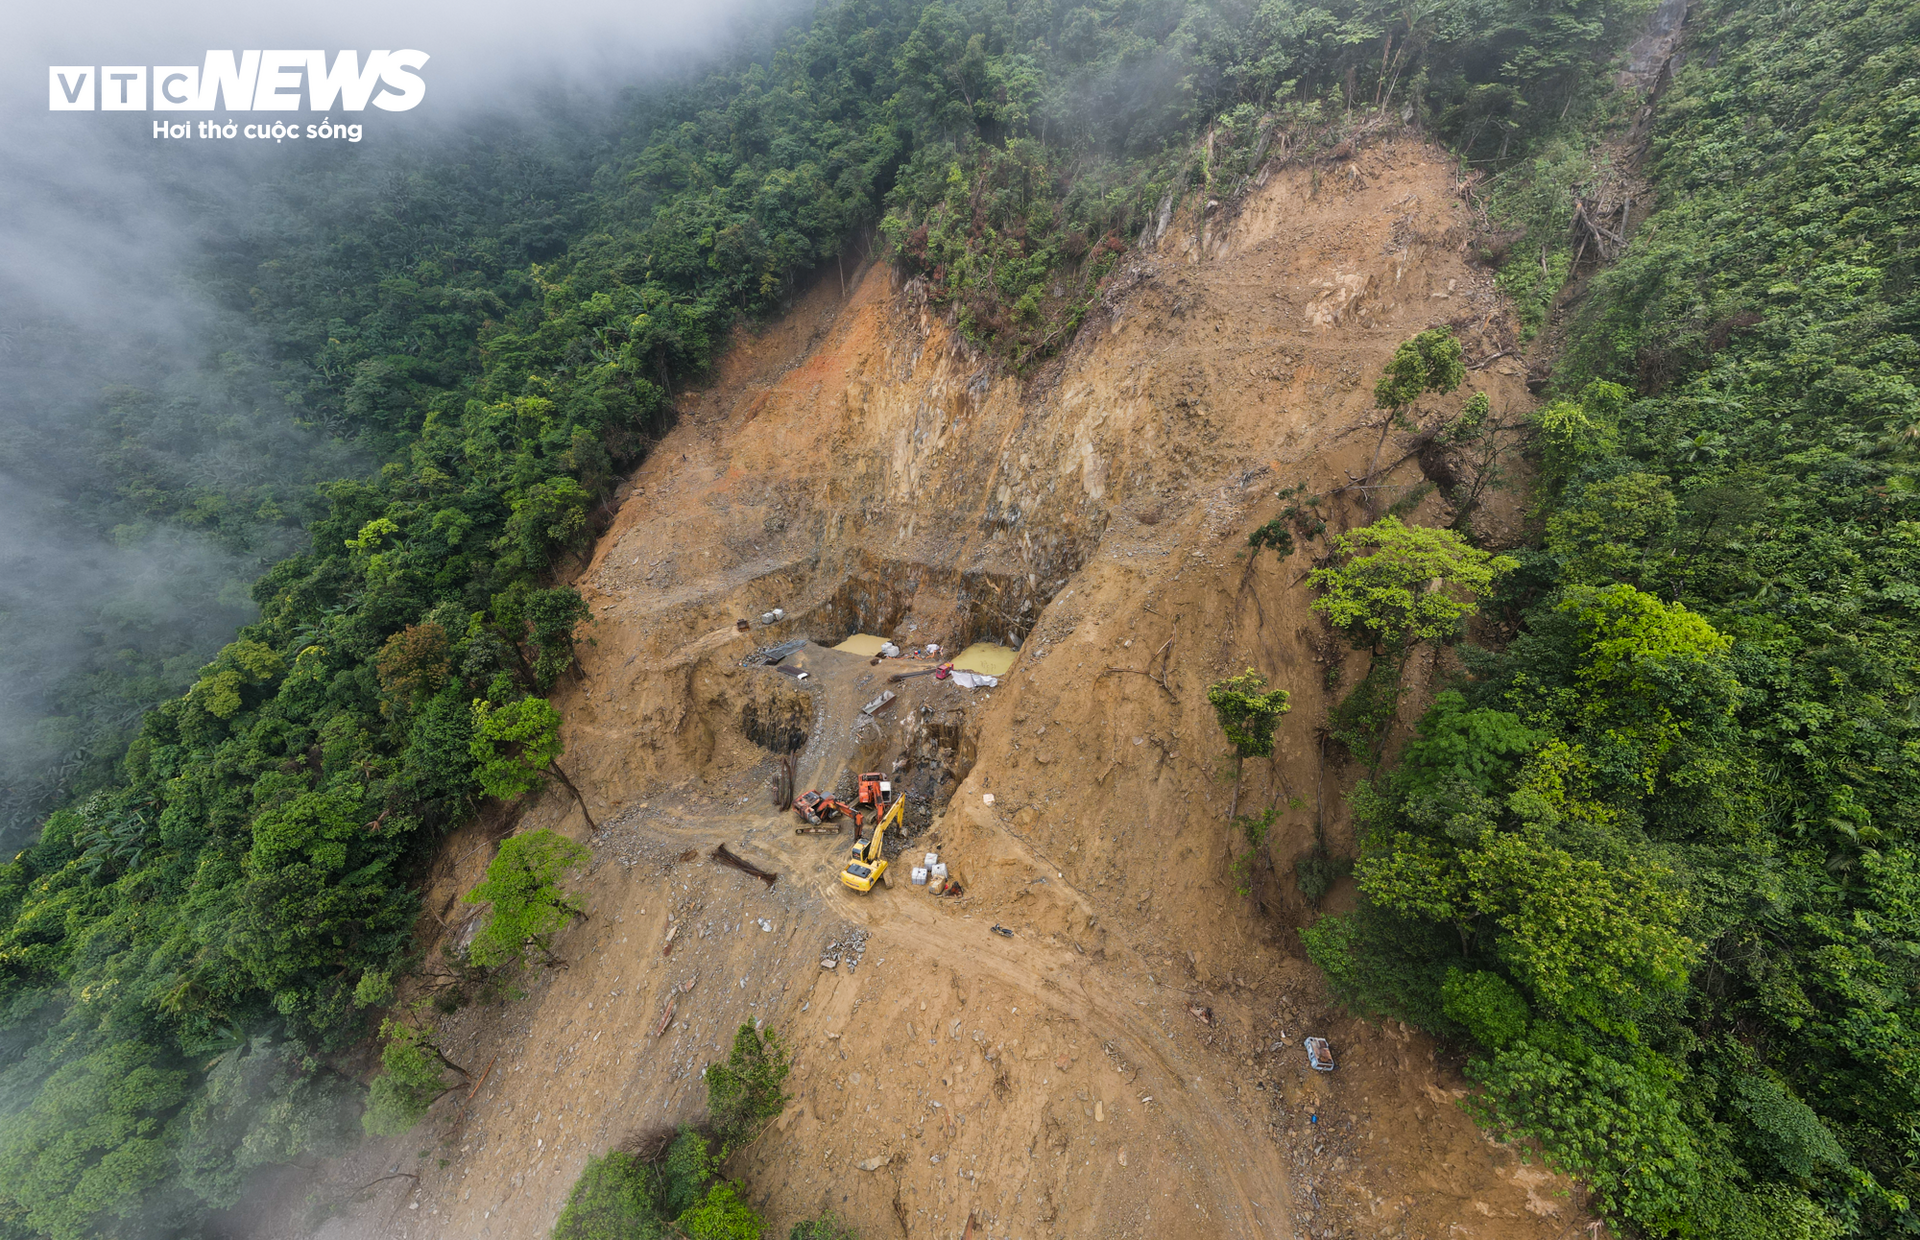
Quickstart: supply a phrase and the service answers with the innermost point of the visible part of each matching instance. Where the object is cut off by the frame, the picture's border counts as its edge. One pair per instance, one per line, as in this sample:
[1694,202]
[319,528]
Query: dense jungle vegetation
[1705,721]
[327,297]
[1654,859]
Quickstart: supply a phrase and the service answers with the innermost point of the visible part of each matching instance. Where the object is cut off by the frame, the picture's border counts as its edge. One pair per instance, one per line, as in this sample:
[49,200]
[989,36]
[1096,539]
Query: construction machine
[821,814]
[875,795]
[868,864]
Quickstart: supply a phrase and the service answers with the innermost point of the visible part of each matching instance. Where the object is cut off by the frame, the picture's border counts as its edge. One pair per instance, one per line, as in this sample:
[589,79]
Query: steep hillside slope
[1128,1062]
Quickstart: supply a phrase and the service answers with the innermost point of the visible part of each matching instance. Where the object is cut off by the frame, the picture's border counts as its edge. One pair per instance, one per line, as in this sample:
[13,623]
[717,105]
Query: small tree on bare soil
[1248,712]
[412,1082]
[1430,362]
[529,905]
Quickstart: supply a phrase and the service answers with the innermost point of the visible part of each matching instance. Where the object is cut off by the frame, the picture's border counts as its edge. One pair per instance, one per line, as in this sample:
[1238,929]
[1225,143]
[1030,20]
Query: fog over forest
[156,452]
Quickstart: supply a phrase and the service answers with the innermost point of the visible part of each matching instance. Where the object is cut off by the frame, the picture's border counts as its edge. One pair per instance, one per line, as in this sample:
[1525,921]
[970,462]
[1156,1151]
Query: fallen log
[725,857]
[483,1078]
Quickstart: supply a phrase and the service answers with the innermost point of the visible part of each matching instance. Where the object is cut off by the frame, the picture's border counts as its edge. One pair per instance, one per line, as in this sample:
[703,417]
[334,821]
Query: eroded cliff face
[1128,1062]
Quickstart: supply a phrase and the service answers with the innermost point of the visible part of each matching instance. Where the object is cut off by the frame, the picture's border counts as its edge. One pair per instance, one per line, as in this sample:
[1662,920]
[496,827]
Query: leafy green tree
[1248,712]
[721,1215]
[744,1092]
[1361,720]
[1765,1211]
[1787,1133]
[1431,362]
[529,904]
[1652,679]
[552,617]
[515,745]
[1316,869]
[1248,716]
[679,1194]
[1569,435]
[1421,878]
[412,1082]
[617,1197]
[1274,534]
[545,520]
[687,1167]
[1487,1006]
[315,890]
[1458,746]
[436,770]
[1478,440]
[374,989]
[1413,585]
[1585,940]
[1616,1122]
[78,1157]
[1615,530]
[1300,516]
[241,666]
[263,1103]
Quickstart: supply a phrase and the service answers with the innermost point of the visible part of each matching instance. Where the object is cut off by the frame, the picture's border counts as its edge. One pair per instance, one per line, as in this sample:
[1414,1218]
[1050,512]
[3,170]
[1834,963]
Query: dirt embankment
[1129,1061]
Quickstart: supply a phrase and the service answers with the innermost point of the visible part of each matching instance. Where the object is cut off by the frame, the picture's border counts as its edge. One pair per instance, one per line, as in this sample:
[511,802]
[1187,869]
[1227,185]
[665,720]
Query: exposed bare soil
[1128,1063]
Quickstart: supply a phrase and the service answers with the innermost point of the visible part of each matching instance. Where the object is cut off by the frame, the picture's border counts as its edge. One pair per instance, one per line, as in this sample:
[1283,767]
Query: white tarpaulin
[974,680]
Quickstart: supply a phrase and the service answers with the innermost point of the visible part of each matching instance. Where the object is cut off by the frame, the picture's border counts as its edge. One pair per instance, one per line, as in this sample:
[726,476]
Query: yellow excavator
[868,865]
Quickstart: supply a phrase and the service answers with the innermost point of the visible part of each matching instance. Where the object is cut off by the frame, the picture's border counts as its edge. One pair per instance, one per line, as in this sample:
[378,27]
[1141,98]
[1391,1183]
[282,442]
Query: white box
[939,871]
[72,88]
[919,875]
[933,859]
[123,88]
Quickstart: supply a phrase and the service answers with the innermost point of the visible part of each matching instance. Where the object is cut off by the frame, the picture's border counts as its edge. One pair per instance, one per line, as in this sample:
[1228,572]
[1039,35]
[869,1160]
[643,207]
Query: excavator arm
[892,819]
[818,809]
[868,863]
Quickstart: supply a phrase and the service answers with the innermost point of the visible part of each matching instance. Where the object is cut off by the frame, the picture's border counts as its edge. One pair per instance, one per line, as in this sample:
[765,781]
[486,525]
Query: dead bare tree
[1165,655]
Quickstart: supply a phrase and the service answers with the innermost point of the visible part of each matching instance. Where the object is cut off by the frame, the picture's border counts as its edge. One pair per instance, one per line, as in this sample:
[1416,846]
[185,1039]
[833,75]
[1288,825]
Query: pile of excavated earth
[1129,1060]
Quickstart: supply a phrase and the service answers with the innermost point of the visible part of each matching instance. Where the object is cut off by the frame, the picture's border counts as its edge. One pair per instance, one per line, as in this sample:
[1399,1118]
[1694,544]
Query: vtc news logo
[256,81]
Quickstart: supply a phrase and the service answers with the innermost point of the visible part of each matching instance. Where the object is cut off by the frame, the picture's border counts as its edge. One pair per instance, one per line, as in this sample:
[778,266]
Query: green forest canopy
[1655,860]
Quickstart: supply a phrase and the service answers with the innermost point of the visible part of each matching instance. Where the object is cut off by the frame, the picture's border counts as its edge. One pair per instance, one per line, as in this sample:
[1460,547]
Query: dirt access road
[1128,1063]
